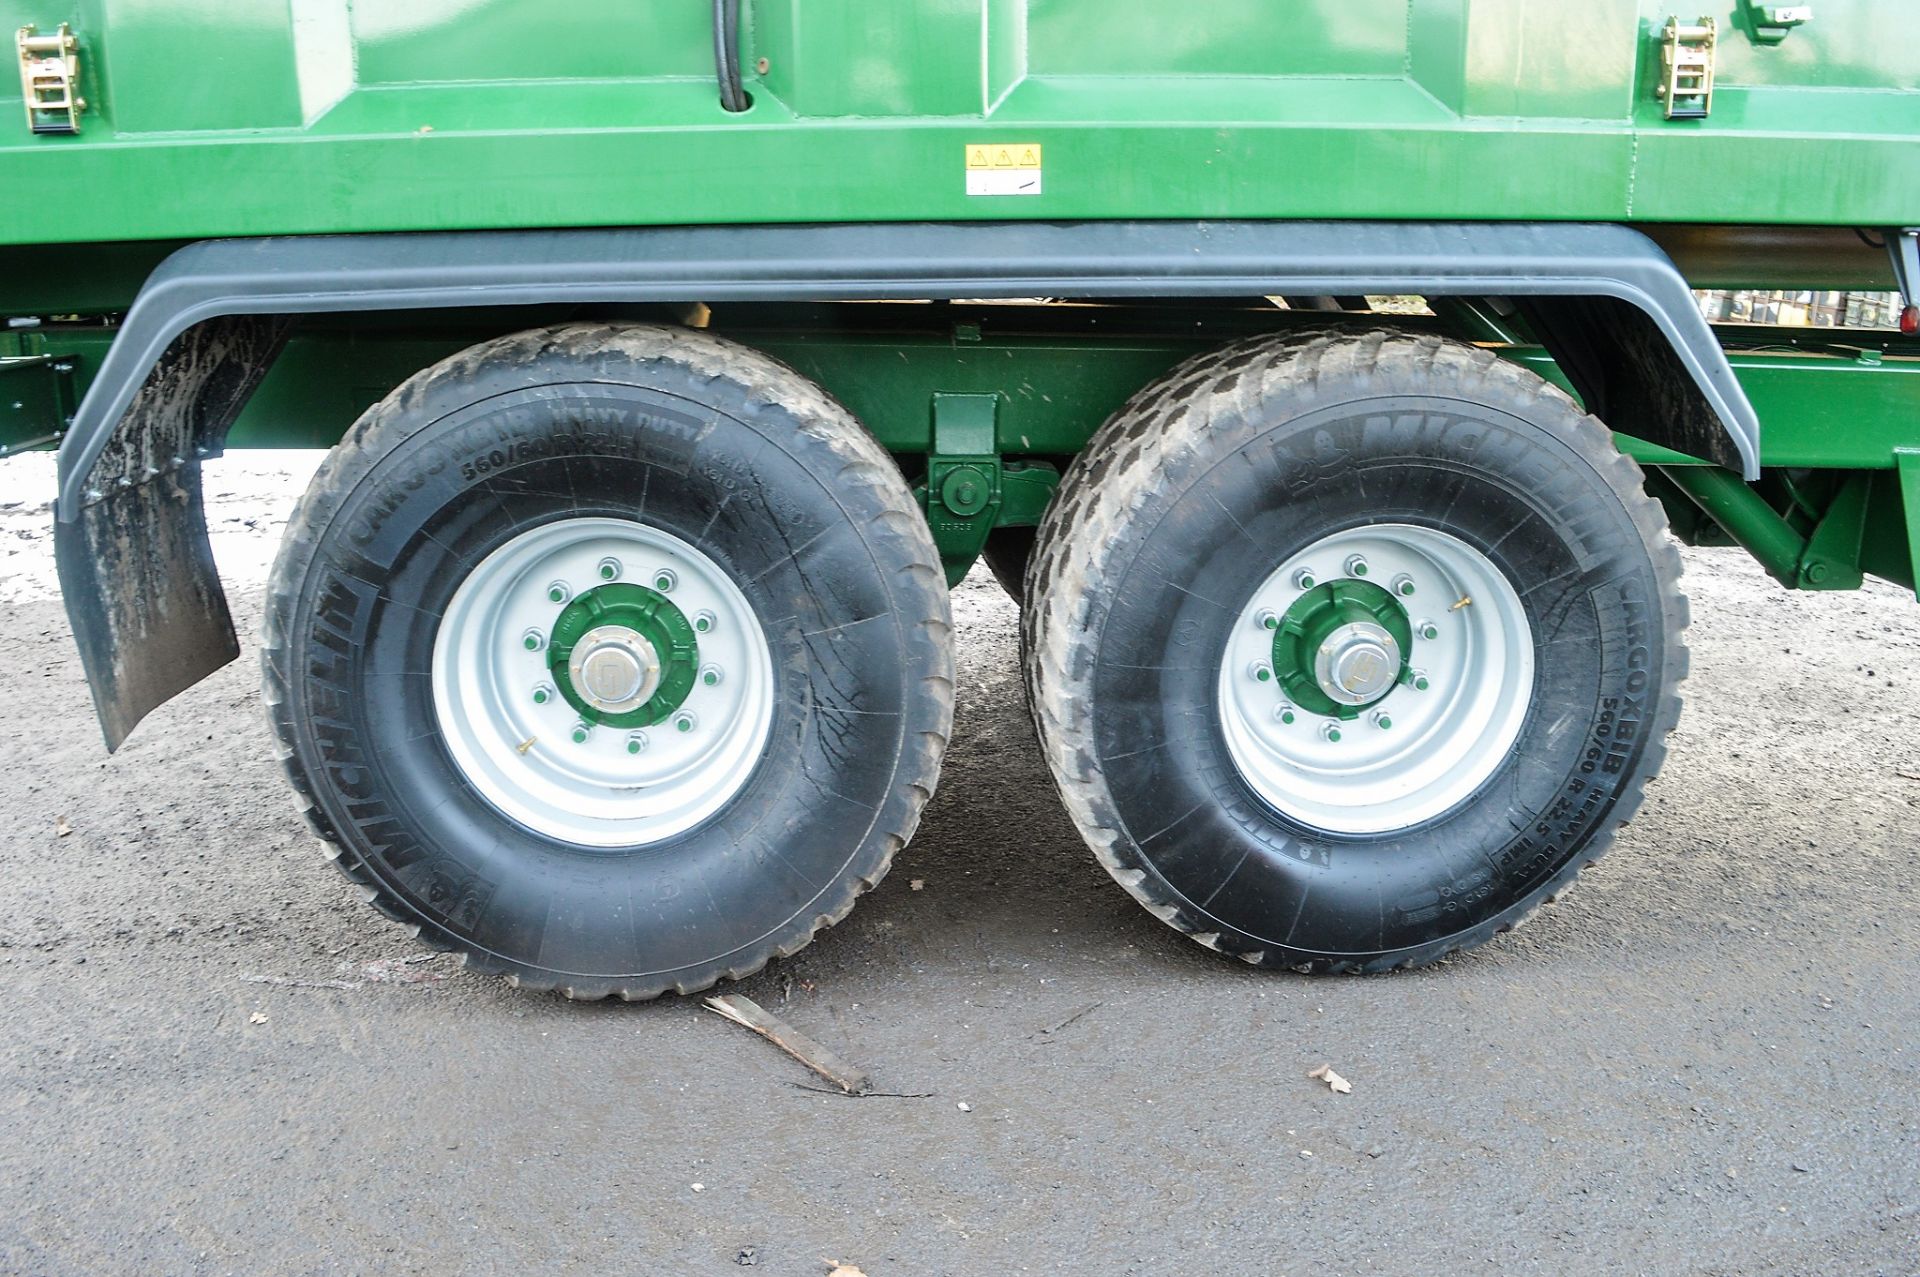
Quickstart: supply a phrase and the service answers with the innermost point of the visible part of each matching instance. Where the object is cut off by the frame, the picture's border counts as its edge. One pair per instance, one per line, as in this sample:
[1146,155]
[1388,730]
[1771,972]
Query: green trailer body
[982,226]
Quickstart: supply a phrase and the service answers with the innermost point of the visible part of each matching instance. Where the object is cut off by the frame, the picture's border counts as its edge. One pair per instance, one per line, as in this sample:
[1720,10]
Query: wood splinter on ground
[1337,1084]
[750,1014]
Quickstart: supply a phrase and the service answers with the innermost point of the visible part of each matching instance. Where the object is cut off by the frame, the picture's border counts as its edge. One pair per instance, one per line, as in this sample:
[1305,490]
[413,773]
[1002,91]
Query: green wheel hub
[644,621]
[1348,630]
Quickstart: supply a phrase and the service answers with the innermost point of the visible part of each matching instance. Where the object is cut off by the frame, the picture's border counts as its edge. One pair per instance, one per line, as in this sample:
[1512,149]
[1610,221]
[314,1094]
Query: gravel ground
[1703,1061]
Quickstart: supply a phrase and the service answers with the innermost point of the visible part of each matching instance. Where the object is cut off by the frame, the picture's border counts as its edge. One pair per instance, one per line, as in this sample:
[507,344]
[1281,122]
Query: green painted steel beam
[257,117]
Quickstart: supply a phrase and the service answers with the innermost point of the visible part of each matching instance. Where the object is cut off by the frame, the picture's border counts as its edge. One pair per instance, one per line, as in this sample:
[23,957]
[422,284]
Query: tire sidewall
[489,457]
[1264,486]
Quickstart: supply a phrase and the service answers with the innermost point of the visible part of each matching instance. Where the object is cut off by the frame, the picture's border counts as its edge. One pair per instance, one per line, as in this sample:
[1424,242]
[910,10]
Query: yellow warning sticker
[1003,168]
[1003,155]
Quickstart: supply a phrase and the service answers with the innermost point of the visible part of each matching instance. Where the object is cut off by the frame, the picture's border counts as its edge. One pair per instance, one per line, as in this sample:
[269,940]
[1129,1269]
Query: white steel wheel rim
[1441,744]
[512,735]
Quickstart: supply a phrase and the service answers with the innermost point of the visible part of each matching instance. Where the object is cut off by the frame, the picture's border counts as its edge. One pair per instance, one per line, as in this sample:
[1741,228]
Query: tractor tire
[1349,650]
[616,658]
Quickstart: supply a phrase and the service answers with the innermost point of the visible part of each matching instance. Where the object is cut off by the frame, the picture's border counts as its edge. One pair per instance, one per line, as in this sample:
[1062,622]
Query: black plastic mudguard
[141,591]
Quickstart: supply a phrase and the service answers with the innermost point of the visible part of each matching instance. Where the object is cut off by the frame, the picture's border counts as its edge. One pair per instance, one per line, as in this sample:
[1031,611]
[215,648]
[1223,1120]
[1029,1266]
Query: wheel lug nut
[1268,619]
[1330,732]
[543,694]
[684,721]
[704,621]
[1283,712]
[1382,720]
[609,568]
[1261,671]
[1304,579]
[1429,631]
[559,592]
[1356,565]
[636,742]
[664,580]
[1420,683]
[1403,586]
[581,731]
[533,640]
[710,675]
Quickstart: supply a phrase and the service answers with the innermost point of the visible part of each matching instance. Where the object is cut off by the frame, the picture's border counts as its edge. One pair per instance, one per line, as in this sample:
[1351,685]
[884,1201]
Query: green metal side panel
[255,117]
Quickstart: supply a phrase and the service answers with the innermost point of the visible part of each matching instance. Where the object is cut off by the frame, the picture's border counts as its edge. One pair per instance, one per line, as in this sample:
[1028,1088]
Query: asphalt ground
[1703,1060]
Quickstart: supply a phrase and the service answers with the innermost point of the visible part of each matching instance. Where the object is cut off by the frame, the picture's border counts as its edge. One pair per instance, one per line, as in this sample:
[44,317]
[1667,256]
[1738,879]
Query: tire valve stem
[1466,600]
[525,745]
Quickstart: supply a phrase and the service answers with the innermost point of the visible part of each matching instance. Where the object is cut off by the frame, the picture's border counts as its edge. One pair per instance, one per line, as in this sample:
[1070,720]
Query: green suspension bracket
[970,489]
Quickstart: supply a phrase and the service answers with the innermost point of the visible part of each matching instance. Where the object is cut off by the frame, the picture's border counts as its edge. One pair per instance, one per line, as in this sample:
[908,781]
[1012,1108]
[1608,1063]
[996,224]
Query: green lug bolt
[1304,579]
[542,694]
[636,742]
[1356,565]
[580,733]
[1382,720]
[1420,683]
[710,675]
[1331,732]
[664,580]
[1429,631]
[1261,671]
[1268,619]
[1403,586]
[1284,713]
[683,721]
[703,621]
[558,592]
[533,640]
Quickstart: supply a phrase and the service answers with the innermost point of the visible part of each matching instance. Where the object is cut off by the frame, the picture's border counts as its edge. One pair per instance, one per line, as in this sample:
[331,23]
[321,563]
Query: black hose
[726,54]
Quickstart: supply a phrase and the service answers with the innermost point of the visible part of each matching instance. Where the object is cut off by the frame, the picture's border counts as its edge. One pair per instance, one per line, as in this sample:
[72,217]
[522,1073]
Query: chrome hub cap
[603,683]
[1357,663]
[614,669]
[1376,679]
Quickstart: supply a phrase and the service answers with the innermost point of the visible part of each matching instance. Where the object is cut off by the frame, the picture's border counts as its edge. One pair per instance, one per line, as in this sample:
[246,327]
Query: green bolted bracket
[1831,560]
[37,400]
[969,490]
